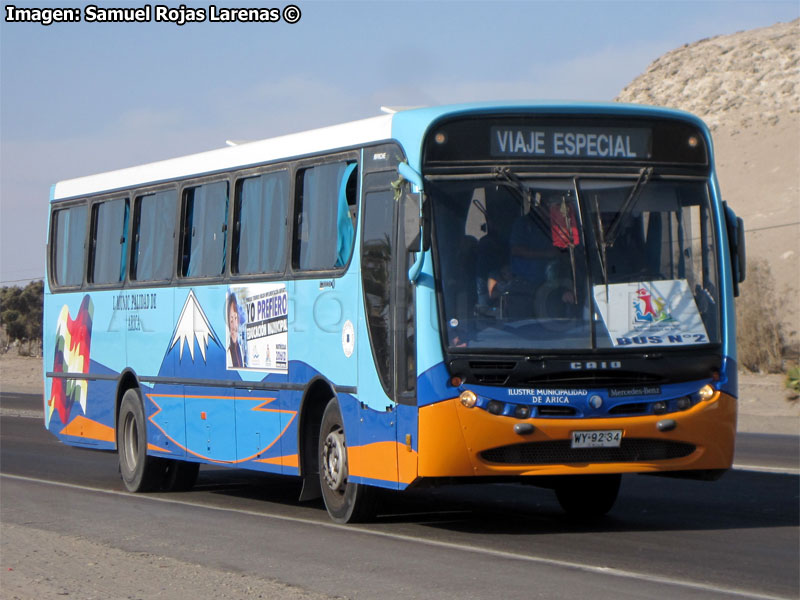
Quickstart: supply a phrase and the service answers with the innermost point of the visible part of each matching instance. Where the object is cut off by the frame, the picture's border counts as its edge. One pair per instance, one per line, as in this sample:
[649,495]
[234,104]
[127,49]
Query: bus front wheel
[347,502]
[140,472]
[587,496]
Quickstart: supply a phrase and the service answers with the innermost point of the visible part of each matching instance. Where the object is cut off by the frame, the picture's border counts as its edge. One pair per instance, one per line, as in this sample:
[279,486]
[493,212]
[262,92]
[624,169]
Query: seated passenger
[541,267]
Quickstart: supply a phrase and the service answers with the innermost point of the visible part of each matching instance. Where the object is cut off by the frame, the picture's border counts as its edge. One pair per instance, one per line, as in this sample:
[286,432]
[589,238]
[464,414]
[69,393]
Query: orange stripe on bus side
[155,448]
[284,461]
[380,461]
[83,427]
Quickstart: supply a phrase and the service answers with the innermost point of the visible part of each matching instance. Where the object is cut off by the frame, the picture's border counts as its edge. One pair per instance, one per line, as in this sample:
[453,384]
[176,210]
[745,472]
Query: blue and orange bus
[486,292]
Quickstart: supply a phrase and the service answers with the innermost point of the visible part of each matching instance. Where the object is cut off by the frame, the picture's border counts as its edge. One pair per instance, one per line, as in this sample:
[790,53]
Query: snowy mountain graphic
[193,325]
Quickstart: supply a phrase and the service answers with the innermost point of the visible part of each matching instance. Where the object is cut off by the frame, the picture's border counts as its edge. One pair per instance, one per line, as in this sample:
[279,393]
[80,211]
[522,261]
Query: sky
[83,98]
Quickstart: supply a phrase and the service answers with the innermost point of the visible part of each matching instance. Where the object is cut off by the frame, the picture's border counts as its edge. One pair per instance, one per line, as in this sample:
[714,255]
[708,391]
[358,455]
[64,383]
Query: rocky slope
[746,86]
[746,79]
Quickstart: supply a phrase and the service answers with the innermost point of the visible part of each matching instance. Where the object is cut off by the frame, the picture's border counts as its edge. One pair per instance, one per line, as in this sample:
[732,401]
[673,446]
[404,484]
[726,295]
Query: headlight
[468,398]
[706,392]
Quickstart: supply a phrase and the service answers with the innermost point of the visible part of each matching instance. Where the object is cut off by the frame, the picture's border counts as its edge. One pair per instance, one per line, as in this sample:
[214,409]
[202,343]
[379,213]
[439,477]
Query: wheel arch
[127,380]
[316,396]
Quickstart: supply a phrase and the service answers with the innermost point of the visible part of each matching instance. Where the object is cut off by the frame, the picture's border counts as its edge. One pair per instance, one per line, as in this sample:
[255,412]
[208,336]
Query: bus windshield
[575,262]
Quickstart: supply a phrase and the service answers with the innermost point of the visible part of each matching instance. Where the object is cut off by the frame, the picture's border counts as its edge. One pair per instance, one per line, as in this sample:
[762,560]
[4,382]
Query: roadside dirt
[42,565]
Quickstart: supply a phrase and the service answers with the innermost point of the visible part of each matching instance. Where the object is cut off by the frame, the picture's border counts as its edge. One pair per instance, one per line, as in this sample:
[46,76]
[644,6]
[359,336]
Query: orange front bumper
[452,437]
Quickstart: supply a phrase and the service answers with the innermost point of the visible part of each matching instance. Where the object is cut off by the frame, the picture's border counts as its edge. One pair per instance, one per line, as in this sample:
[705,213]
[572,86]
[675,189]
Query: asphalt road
[665,538]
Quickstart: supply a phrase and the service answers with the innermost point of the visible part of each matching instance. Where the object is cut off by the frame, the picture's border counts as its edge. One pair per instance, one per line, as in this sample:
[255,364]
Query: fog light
[522,412]
[706,392]
[468,398]
[684,403]
[523,428]
[660,407]
[495,407]
[666,425]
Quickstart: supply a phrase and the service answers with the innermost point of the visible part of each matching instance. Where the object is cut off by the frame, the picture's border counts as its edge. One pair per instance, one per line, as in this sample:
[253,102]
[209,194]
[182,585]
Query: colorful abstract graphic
[650,308]
[73,339]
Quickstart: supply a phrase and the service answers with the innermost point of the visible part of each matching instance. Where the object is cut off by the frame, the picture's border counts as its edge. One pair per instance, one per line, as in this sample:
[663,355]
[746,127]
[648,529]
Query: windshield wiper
[541,216]
[602,245]
[538,213]
[606,238]
[626,208]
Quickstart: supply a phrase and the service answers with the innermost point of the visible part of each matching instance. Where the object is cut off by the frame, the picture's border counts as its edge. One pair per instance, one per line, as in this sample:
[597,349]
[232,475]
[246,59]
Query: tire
[587,497]
[139,472]
[179,476]
[345,501]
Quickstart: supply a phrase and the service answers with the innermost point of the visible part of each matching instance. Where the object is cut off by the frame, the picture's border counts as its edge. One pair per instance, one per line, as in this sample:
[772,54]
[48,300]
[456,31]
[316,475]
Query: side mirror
[741,252]
[412,222]
[738,255]
[412,217]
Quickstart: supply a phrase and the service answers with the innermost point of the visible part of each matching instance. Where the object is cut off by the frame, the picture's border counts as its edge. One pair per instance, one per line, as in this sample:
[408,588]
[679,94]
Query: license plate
[597,439]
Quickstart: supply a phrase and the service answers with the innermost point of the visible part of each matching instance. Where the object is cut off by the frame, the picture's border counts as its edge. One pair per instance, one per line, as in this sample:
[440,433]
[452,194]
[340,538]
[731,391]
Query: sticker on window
[650,313]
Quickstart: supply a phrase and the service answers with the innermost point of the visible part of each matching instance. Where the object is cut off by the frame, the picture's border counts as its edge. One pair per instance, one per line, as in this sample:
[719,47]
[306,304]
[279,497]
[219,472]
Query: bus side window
[67,244]
[345,223]
[205,225]
[109,243]
[324,230]
[260,224]
[153,236]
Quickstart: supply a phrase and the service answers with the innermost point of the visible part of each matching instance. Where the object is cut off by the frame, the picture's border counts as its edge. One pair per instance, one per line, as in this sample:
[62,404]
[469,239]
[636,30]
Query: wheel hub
[334,461]
[130,446]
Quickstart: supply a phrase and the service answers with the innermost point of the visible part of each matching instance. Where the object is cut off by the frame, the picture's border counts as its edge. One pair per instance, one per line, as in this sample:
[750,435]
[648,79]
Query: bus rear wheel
[587,497]
[140,472]
[346,502]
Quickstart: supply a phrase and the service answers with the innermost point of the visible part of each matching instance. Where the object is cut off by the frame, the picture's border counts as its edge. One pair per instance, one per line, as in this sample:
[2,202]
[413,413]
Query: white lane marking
[21,413]
[760,469]
[610,571]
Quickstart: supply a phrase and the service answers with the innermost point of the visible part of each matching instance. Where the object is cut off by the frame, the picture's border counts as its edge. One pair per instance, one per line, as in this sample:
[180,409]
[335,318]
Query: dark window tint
[109,246]
[325,209]
[68,239]
[406,348]
[154,236]
[205,225]
[376,267]
[260,235]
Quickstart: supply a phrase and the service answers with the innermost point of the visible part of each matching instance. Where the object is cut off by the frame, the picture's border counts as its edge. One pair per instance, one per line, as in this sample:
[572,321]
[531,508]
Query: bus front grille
[560,452]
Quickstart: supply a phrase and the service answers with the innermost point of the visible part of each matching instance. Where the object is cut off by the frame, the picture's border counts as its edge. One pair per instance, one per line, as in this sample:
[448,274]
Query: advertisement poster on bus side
[257,328]
[650,313]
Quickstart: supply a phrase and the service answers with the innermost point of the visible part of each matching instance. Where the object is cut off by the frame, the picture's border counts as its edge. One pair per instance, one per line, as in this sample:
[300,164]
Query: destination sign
[571,142]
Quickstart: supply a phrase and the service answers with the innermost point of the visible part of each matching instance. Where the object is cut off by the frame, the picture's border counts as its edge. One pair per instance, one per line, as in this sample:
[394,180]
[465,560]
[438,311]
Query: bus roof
[406,126]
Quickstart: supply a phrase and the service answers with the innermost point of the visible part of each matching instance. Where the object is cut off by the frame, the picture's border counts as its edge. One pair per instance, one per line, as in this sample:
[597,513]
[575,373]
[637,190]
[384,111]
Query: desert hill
[746,86]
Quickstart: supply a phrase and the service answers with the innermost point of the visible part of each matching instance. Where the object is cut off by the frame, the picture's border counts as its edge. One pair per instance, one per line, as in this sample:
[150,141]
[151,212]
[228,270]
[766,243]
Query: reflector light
[684,403]
[456,381]
[522,412]
[440,138]
[495,407]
